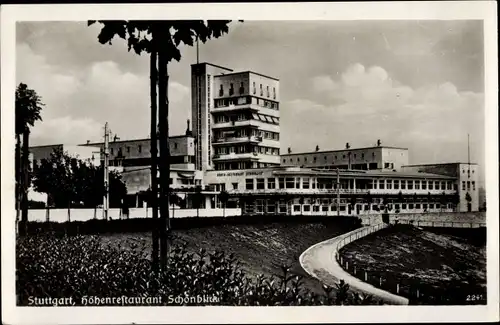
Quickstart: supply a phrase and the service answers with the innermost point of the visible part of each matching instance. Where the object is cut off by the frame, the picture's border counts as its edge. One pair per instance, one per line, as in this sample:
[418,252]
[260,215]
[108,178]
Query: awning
[185,175]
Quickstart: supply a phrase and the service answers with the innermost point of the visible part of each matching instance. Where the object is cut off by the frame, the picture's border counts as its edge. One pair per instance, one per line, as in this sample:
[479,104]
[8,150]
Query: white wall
[61,215]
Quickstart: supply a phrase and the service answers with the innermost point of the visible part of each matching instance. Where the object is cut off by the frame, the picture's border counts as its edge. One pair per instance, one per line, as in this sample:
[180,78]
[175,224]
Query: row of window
[220,118]
[313,183]
[241,90]
[369,207]
[129,162]
[247,149]
[120,150]
[242,100]
[240,165]
[469,185]
[325,158]
[242,133]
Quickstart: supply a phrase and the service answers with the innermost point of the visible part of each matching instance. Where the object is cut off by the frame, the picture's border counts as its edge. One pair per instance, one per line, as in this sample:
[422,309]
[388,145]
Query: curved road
[319,261]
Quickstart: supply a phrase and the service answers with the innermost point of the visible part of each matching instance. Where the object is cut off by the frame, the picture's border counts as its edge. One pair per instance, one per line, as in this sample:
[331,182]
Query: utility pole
[106,172]
[338,192]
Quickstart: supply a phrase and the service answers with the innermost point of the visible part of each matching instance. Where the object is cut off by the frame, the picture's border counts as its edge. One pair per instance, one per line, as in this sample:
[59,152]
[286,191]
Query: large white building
[234,147]
[235,118]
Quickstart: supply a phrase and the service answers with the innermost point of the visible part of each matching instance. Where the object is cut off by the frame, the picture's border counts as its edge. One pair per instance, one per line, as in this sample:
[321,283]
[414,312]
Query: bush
[83,266]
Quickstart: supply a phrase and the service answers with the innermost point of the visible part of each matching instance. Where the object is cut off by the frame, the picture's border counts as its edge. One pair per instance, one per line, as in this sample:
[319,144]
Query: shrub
[83,266]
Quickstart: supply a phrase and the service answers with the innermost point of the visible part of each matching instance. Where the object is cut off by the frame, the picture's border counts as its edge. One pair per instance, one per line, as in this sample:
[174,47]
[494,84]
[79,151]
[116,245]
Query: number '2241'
[474,297]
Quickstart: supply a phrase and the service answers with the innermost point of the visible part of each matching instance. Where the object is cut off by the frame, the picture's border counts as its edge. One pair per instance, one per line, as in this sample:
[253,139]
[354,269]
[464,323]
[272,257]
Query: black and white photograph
[163,158]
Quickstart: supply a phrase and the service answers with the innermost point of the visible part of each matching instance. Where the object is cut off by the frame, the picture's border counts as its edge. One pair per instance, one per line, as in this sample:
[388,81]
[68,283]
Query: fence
[61,215]
[450,224]
[404,286]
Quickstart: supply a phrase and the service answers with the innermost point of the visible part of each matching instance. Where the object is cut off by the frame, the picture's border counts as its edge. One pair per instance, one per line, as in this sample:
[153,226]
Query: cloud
[80,100]
[365,104]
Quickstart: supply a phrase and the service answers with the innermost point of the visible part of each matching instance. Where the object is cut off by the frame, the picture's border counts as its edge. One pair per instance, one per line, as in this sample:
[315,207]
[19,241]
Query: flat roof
[213,65]
[248,71]
[135,140]
[339,150]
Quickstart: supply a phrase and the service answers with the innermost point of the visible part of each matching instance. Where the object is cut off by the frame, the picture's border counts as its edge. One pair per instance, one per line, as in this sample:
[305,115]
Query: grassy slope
[261,248]
[440,258]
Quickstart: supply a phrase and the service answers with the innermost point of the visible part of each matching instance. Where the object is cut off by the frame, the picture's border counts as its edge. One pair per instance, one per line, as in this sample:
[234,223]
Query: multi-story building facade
[235,118]
[235,147]
[466,176]
[377,157]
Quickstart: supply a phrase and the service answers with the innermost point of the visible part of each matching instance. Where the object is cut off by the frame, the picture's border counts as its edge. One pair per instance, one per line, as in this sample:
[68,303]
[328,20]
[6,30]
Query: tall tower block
[202,93]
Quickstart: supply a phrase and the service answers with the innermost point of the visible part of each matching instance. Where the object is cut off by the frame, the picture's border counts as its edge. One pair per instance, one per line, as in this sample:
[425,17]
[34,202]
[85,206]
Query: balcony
[236,156]
[283,191]
[252,123]
[231,140]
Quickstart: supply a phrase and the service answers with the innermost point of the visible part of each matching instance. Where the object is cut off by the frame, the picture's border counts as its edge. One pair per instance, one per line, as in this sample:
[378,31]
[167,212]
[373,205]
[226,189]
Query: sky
[413,84]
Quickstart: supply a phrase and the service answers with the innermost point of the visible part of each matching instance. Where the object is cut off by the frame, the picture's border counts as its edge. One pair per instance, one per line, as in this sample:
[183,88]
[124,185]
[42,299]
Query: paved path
[319,261]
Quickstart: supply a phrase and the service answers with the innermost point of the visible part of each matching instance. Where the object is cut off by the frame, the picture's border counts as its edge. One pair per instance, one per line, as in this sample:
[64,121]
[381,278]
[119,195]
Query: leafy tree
[28,107]
[162,39]
[224,197]
[68,180]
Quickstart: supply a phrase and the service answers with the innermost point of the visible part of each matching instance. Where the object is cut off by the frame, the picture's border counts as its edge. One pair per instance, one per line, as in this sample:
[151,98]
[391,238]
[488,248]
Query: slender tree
[164,38]
[28,107]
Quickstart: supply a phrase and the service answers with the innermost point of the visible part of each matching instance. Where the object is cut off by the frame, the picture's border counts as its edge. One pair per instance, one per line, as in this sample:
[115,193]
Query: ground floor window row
[272,206]
[331,183]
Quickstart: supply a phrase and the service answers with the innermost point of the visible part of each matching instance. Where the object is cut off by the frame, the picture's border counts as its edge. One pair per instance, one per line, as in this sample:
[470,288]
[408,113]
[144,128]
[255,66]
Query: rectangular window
[436,185]
[139,148]
[290,182]
[281,182]
[424,206]
[431,206]
[468,185]
[274,92]
[381,184]
[324,208]
[424,185]
[342,208]
[430,185]
[396,206]
[403,184]
[403,206]
[443,186]
[463,182]
[305,183]
[396,184]
[473,185]
[316,208]
[417,206]
[410,206]
[366,207]
[389,184]
[297,182]
[271,183]
[410,185]
[449,185]
[254,88]
[235,186]
[261,90]
[249,183]
[260,184]
[306,208]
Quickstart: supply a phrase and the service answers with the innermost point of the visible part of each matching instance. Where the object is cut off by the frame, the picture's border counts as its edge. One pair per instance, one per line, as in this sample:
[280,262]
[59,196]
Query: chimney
[289,150]
[188,130]
[379,143]
[317,148]
[88,141]
[347,145]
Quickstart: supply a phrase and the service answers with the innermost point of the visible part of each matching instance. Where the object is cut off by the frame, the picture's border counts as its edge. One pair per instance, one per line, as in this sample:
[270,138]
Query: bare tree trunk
[164,149]
[154,162]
